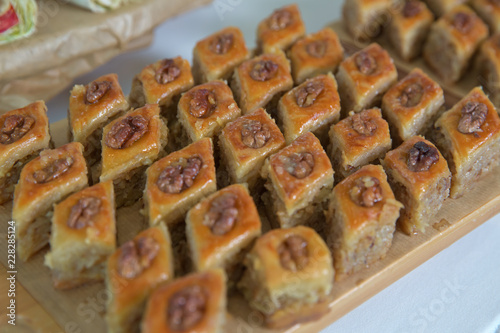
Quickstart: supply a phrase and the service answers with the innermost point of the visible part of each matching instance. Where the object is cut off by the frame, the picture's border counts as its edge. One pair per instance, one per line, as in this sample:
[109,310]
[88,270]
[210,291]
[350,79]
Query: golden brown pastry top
[85,116]
[412,13]
[223,223]
[162,200]
[22,132]
[467,29]
[491,49]
[210,289]
[143,151]
[464,144]
[160,89]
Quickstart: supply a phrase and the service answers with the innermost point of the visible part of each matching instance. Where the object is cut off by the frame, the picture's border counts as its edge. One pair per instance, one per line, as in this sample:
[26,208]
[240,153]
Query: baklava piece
[194,303]
[45,181]
[221,229]
[364,77]
[244,145]
[412,105]
[299,180]
[216,57]
[468,136]
[313,106]
[489,11]
[83,236]
[133,271]
[420,178]
[261,81]
[280,30]
[452,42]
[488,64]
[408,28]
[204,110]
[441,7]
[130,144]
[357,140]
[315,54]
[23,134]
[92,107]
[361,220]
[364,18]
[289,276]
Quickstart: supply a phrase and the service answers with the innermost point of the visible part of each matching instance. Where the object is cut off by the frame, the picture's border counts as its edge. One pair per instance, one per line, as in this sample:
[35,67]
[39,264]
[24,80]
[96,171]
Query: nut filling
[300,165]
[411,8]
[264,70]
[411,95]
[473,117]
[255,134]
[202,103]
[463,23]
[280,19]
[306,95]
[96,90]
[366,191]
[366,63]
[177,178]
[126,132]
[137,256]
[362,125]
[222,214]
[421,157]
[293,253]
[317,48]
[52,170]
[14,128]
[221,44]
[186,308]
[83,212]
[167,72]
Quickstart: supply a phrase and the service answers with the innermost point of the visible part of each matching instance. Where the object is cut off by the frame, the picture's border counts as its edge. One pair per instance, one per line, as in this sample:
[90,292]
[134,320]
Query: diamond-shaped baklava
[244,144]
[216,56]
[193,303]
[468,136]
[24,133]
[364,77]
[92,107]
[489,11]
[83,236]
[132,273]
[299,180]
[313,106]
[129,145]
[452,42]
[365,18]
[488,64]
[441,7]
[289,276]
[220,230]
[420,178]
[411,106]
[357,140]
[361,220]
[43,182]
[260,82]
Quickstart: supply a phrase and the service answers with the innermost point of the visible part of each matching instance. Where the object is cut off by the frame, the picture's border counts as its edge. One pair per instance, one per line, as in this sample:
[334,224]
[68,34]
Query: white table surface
[458,290]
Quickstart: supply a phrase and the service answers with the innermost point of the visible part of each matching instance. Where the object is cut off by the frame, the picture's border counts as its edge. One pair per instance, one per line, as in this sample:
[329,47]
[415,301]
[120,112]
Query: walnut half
[126,132]
[411,8]
[136,256]
[300,165]
[293,253]
[463,22]
[280,19]
[167,72]
[317,48]
[255,134]
[366,191]
[53,170]
[203,103]
[264,70]
[186,308]
[411,95]
[363,125]
[473,117]
[222,43]
[15,127]
[177,178]
[83,212]
[306,95]
[222,214]
[421,157]
[366,63]
[96,90]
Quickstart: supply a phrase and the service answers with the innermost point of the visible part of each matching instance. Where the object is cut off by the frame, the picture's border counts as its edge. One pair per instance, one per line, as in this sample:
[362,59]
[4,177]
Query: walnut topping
[52,170]
[126,132]
[175,179]
[411,8]
[421,157]
[167,72]
[96,90]
[300,165]
[280,19]
[293,253]
[186,308]
[473,117]
[264,70]
[411,95]
[317,48]
[136,256]
[306,94]
[83,212]
[14,128]
[255,134]
[366,63]
[222,43]
[366,191]
[463,22]
[363,125]
[203,103]
[222,214]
